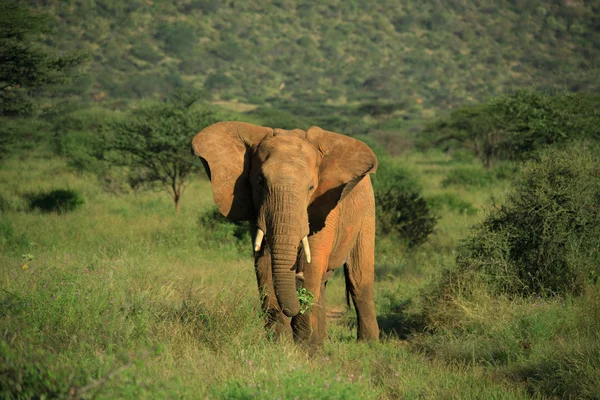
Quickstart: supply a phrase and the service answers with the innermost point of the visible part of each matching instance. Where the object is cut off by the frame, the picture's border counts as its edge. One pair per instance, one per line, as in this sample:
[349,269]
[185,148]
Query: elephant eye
[260,180]
[311,188]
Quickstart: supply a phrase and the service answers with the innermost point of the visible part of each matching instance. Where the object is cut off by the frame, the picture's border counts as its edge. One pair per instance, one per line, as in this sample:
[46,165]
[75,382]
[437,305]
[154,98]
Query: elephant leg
[320,312]
[359,271]
[310,328]
[277,323]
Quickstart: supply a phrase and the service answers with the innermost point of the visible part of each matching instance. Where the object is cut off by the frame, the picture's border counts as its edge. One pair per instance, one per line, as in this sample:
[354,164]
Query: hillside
[416,57]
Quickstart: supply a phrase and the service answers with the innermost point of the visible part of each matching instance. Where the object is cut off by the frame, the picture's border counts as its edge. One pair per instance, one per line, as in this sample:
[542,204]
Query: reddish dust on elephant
[310,202]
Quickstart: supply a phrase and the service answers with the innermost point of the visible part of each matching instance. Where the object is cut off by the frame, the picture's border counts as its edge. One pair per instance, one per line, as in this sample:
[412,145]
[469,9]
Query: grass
[123,299]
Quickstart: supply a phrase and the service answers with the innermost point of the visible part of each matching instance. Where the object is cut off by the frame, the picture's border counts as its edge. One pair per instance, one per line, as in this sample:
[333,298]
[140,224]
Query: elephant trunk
[285,224]
[283,257]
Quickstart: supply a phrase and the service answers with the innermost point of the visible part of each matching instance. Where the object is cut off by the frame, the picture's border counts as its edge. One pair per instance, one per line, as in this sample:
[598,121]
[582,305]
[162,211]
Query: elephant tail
[348,284]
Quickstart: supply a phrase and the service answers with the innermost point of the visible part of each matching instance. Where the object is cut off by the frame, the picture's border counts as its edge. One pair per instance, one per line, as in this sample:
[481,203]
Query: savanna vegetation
[488,246]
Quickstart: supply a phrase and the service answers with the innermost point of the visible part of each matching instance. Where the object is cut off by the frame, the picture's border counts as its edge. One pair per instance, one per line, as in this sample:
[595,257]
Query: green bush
[22,378]
[217,229]
[393,174]
[58,200]
[77,136]
[401,210]
[405,214]
[545,239]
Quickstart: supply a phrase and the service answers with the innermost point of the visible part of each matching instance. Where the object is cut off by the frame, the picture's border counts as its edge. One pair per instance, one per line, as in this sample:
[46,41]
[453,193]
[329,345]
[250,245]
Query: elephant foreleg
[276,322]
[360,276]
[311,327]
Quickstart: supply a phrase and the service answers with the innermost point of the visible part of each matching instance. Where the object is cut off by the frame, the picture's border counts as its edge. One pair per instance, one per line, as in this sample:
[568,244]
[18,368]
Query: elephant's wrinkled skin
[291,184]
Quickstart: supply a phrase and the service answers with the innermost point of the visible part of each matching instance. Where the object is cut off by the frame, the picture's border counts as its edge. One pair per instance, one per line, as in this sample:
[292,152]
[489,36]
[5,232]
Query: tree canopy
[26,68]
[154,142]
[518,125]
[416,56]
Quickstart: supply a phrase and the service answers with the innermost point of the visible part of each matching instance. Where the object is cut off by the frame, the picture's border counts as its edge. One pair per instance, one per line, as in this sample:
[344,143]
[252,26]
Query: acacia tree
[519,125]
[154,142]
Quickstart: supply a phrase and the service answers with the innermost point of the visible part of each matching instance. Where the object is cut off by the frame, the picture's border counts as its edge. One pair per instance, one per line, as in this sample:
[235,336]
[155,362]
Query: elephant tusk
[259,238]
[306,248]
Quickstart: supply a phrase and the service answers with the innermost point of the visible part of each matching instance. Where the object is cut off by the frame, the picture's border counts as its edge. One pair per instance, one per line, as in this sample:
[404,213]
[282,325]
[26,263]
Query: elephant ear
[225,149]
[345,162]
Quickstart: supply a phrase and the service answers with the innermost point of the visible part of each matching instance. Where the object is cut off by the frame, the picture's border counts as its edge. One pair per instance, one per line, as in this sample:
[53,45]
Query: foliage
[517,126]
[60,201]
[30,378]
[221,231]
[78,137]
[405,214]
[25,68]
[154,141]
[306,299]
[393,174]
[21,134]
[401,210]
[407,60]
[545,239]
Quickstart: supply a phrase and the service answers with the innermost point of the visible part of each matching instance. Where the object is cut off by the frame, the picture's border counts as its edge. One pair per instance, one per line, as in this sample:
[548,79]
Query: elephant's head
[272,176]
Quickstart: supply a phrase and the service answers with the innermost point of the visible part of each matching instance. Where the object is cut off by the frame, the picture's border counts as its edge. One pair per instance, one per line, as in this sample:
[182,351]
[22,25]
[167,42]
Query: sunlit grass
[127,300]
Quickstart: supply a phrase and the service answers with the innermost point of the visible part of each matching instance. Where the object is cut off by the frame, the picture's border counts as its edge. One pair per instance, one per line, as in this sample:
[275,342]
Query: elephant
[310,203]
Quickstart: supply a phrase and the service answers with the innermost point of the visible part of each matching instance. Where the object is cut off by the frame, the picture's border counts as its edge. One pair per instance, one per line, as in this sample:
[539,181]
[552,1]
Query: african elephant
[310,201]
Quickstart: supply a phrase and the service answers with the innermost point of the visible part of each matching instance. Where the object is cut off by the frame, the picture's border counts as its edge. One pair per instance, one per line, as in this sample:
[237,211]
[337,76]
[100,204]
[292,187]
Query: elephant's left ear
[345,162]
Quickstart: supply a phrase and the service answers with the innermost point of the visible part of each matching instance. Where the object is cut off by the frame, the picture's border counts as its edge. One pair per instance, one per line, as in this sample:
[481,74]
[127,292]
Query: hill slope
[427,54]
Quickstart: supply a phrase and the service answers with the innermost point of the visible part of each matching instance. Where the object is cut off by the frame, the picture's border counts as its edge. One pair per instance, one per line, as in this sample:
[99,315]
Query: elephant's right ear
[225,149]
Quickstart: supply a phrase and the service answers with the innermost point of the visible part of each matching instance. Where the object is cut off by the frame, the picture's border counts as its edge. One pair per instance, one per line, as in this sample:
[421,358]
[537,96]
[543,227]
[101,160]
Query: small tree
[154,141]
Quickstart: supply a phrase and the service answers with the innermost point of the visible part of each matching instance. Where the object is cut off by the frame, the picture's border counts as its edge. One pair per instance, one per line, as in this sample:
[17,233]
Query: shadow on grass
[397,322]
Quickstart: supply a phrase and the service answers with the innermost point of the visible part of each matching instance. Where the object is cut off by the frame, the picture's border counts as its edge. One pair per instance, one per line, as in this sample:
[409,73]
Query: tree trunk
[177,199]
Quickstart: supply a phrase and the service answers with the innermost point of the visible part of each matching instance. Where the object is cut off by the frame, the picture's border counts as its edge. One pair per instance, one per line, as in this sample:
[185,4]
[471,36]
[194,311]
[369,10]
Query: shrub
[405,214]
[58,200]
[401,210]
[393,174]
[218,229]
[25,378]
[545,239]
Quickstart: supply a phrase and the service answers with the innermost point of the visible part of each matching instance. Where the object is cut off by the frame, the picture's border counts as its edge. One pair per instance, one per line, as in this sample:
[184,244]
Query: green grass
[123,299]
